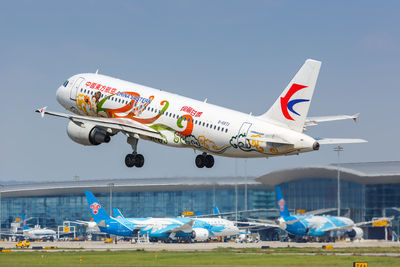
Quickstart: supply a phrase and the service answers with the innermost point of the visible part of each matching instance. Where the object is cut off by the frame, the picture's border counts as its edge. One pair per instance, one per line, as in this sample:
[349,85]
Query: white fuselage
[183,122]
[39,233]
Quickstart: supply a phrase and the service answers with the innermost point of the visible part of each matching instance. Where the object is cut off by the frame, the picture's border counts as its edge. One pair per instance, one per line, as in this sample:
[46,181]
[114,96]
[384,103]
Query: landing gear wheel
[139,161]
[130,160]
[200,160]
[209,161]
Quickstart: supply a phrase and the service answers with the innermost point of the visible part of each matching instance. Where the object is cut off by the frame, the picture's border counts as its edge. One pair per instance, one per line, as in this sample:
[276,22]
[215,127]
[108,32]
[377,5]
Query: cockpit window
[65,83]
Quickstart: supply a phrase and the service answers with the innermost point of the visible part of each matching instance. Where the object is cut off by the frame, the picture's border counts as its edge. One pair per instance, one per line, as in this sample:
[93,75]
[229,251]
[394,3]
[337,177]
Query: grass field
[218,257]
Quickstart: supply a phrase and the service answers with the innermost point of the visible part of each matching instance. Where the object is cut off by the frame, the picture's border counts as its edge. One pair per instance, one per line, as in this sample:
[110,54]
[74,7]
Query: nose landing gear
[134,159]
[204,160]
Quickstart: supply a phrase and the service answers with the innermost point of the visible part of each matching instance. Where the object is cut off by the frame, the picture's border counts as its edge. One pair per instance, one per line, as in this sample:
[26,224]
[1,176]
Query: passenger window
[215,127]
[226,130]
[222,129]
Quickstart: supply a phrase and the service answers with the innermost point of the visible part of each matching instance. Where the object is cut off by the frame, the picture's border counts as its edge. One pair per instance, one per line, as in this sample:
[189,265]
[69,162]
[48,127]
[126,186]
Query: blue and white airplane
[316,226]
[159,228]
[312,226]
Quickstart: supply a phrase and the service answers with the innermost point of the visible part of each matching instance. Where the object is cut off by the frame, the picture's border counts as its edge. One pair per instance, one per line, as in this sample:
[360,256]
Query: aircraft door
[75,88]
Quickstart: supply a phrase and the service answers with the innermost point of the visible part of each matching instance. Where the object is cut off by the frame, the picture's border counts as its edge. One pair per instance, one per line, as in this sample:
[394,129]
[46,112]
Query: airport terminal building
[367,190]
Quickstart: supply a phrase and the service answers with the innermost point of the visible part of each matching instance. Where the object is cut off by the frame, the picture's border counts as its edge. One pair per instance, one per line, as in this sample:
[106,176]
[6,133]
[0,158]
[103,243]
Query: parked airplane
[106,106]
[322,227]
[37,232]
[159,228]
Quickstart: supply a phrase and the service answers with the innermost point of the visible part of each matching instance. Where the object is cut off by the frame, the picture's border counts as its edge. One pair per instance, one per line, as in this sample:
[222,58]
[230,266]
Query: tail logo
[287,105]
[281,204]
[95,207]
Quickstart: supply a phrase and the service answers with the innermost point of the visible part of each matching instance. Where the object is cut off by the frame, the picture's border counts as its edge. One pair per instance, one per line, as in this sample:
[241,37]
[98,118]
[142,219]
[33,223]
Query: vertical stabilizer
[283,209]
[98,212]
[216,210]
[25,226]
[291,108]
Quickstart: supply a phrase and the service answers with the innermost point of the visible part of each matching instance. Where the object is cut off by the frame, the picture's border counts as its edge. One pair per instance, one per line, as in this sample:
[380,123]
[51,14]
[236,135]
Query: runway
[101,246]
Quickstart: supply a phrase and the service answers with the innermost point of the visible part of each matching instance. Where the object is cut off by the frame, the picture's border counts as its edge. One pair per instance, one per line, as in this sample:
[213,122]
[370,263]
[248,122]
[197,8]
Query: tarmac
[121,245]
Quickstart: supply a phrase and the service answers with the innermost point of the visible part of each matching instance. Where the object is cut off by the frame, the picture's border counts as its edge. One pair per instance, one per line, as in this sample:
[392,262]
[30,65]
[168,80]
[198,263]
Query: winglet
[355,117]
[42,111]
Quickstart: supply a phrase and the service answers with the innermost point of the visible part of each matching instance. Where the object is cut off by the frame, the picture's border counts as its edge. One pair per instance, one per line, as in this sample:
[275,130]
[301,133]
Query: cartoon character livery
[168,229]
[104,106]
[325,227]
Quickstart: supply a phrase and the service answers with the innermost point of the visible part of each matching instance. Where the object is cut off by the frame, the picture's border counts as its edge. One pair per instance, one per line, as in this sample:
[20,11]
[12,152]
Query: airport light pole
[245,184]
[1,188]
[236,190]
[338,149]
[111,186]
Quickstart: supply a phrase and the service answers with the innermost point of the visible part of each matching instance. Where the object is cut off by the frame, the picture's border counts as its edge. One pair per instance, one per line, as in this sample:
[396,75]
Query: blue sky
[238,54]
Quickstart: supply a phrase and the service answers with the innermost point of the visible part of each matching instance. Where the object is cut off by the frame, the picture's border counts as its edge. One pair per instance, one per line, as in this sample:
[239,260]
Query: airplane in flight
[312,226]
[105,106]
[167,229]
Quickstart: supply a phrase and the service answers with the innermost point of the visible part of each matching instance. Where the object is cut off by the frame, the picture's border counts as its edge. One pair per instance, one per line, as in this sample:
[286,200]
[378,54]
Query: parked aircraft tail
[291,108]
[98,212]
[216,210]
[24,224]
[283,209]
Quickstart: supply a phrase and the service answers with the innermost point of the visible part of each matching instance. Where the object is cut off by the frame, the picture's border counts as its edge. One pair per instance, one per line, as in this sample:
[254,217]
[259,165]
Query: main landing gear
[134,159]
[204,160]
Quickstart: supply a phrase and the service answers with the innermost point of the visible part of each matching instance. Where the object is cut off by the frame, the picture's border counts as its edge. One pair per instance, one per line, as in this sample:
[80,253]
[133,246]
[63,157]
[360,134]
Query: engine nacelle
[87,134]
[356,233]
[200,234]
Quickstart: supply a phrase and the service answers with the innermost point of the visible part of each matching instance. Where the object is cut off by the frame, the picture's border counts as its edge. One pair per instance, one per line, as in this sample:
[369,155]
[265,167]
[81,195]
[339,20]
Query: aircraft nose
[58,94]
[62,95]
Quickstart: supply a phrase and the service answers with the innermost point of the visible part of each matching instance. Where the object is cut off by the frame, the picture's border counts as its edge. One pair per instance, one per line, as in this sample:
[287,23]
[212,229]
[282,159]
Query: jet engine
[356,233]
[200,234]
[87,134]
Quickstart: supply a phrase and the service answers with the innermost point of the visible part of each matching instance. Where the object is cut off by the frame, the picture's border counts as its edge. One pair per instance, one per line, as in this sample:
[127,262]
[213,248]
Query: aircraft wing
[333,141]
[118,124]
[312,121]
[348,227]
[265,224]
[320,211]
[186,227]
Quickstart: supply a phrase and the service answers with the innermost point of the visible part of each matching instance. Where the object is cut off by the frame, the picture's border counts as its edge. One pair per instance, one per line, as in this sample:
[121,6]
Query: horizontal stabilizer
[334,141]
[312,121]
